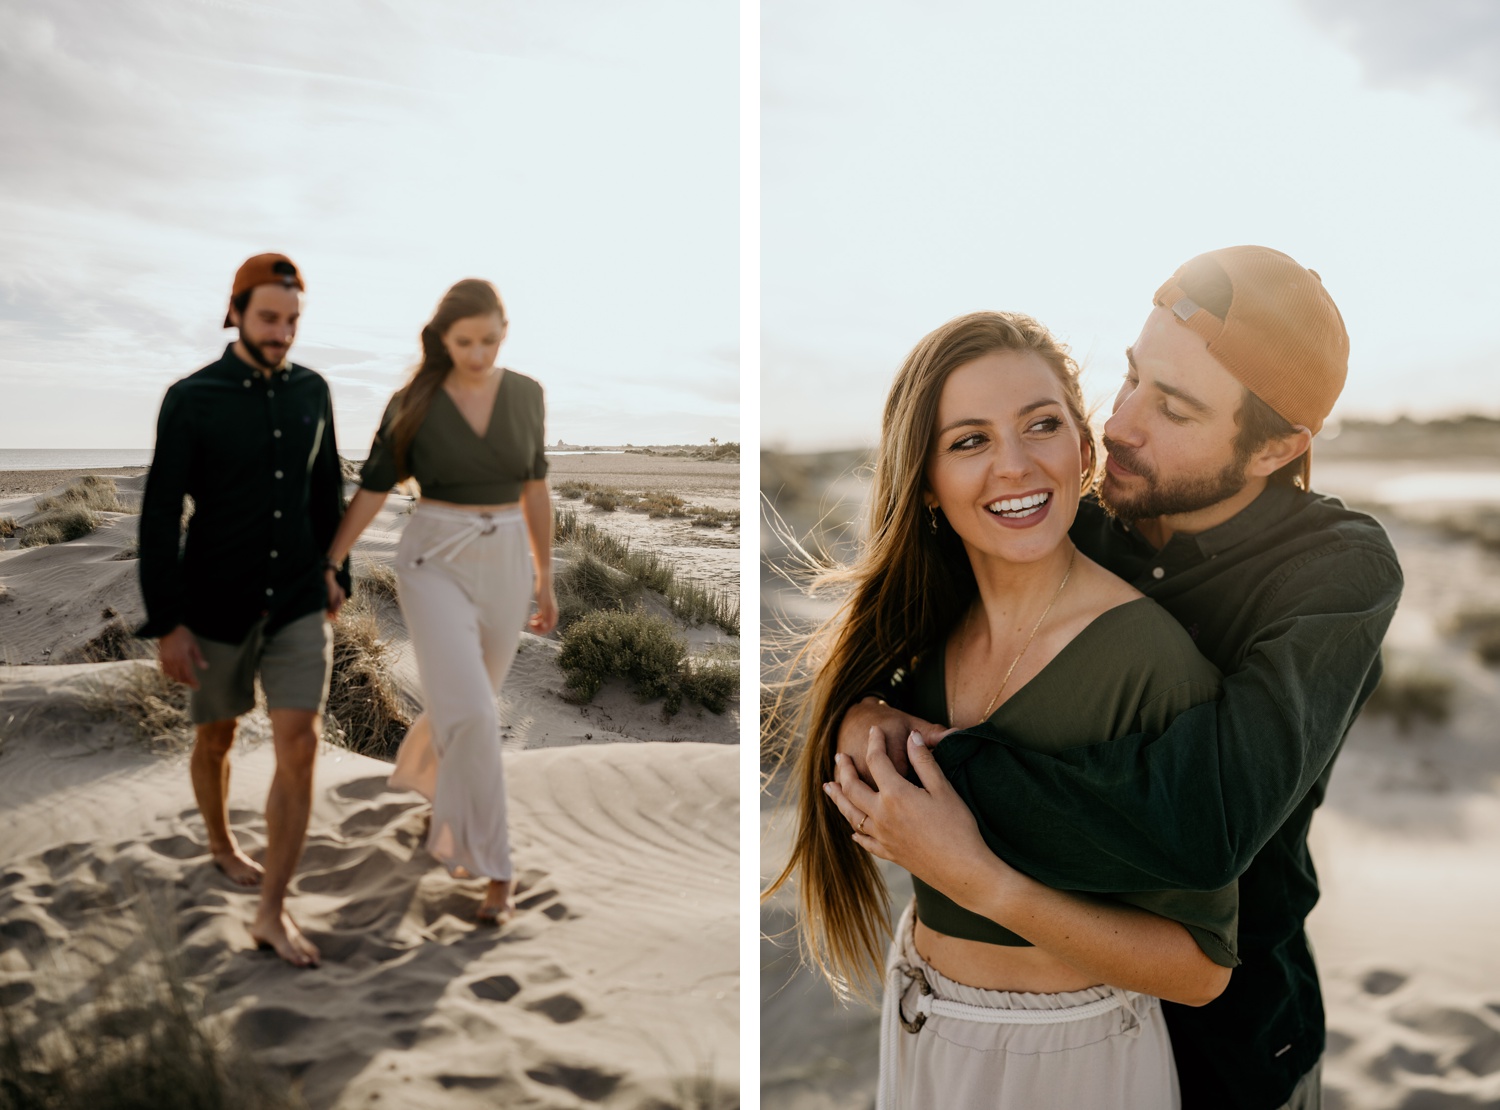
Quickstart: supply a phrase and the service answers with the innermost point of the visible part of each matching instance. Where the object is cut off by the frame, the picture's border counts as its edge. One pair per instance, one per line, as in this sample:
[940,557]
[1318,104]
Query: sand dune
[616,984]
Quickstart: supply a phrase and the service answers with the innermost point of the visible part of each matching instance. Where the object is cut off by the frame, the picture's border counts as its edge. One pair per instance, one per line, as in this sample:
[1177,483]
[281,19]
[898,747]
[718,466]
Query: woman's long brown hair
[470,297]
[906,588]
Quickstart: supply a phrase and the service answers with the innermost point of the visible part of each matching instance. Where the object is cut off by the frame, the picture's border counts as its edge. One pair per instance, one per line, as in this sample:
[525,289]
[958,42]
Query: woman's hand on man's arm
[874,714]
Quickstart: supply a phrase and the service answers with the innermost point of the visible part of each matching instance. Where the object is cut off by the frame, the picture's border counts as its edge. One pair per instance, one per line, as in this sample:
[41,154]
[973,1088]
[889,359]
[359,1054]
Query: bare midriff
[999,967]
[469,508]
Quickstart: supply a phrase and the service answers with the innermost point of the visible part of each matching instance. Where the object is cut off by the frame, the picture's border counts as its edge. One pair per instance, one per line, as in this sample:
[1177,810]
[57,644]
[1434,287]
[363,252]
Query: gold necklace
[1004,682]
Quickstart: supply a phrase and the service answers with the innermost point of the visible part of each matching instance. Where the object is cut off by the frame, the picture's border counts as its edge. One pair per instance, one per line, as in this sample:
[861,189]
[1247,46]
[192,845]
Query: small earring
[932,518]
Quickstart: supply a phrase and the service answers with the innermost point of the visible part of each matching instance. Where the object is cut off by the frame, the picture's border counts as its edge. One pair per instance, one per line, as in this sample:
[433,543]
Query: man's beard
[1163,498]
[259,355]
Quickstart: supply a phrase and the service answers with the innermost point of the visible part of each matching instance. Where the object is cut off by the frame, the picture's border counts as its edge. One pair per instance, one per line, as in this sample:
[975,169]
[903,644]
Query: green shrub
[646,652]
[60,526]
[637,647]
[92,491]
[585,585]
[712,684]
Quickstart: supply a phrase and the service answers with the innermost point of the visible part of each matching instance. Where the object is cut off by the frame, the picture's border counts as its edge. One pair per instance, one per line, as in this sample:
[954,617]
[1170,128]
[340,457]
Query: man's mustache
[1126,457]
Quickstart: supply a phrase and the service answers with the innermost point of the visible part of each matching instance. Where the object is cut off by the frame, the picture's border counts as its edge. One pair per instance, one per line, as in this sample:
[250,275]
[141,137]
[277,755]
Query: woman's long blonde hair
[906,588]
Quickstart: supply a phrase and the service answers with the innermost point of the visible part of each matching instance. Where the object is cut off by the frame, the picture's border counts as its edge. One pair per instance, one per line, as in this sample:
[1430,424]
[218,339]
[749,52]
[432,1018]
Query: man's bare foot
[281,933]
[497,909]
[240,868]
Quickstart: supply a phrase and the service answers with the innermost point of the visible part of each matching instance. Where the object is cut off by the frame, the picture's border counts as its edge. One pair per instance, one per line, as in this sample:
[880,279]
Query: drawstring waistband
[471,526]
[899,973]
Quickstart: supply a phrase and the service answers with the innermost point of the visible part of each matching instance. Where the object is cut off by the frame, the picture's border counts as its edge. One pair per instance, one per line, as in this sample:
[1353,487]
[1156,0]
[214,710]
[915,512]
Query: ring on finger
[861,828]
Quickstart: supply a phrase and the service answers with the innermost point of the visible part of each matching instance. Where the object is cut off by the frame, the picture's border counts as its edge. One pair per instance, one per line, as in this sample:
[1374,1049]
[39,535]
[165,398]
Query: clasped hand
[927,829]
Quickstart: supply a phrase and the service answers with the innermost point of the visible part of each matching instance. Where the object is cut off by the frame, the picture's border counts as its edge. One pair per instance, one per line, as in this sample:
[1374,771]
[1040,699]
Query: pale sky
[580,154]
[922,160]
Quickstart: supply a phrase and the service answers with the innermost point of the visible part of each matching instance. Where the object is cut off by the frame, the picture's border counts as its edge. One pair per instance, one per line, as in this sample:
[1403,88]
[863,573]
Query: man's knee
[297,733]
[215,737]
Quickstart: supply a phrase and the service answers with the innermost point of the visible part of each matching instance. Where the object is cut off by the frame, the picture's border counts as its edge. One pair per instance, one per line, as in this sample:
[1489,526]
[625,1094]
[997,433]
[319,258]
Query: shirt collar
[1255,519]
[237,367]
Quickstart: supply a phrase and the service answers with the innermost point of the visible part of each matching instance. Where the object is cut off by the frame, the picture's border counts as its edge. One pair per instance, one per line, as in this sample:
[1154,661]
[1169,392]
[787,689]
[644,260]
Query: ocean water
[55,458]
[52,458]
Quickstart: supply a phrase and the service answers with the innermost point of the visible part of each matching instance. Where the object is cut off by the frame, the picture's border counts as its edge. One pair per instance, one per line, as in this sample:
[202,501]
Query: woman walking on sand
[471,434]
[968,604]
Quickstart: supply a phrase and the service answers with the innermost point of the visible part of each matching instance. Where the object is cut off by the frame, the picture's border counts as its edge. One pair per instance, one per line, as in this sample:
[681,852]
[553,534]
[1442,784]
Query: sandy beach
[617,983]
[1407,842]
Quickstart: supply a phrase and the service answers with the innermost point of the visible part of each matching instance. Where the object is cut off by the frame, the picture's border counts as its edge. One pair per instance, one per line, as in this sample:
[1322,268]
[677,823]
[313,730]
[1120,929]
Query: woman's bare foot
[281,933]
[240,868]
[497,909]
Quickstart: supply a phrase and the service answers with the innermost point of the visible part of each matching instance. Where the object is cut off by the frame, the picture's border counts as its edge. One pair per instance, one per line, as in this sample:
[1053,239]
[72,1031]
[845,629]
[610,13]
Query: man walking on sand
[1205,508]
[250,439]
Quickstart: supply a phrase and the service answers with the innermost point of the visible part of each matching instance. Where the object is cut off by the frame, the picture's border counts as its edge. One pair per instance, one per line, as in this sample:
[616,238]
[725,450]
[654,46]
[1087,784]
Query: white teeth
[1019,506]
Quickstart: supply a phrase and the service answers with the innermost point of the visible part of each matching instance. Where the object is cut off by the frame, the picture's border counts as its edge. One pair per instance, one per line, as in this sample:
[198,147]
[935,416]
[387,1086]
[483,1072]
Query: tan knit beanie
[1270,323]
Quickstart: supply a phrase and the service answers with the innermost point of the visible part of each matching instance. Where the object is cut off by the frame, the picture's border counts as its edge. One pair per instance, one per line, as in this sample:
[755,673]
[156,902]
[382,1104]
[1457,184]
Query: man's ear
[1276,453]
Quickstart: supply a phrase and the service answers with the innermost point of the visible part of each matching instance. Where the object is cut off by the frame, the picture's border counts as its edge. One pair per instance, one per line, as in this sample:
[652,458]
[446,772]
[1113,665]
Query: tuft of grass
[115,641]
[8,527]
[152,707]
[134,1037]
[1412,695]
[92,491]
[1482,628]
[60,526]
[587,585]
[646,652]
[364,712]
[376,580]
[687,600]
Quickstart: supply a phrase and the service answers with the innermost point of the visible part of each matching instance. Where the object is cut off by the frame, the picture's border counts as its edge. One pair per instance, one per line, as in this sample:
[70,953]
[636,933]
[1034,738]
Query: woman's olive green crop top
[1132,670]
[452,463]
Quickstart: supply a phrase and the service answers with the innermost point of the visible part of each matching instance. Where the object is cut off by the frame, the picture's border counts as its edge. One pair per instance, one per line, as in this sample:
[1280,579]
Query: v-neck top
[452,462]
[1131,670]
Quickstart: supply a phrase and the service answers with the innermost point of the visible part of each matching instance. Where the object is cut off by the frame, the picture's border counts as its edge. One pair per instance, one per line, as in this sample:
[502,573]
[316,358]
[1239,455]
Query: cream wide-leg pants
[464,581]
[945,1044]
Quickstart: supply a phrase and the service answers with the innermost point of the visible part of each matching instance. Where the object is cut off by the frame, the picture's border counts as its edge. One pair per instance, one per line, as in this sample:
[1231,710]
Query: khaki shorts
[294,663]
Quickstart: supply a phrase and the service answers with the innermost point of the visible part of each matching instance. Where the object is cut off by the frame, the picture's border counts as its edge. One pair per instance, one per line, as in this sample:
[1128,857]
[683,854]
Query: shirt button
[1156,572]
[273,554]
[270,393]
[278,474]
[277,514]
[269,591]
[247,383]
[277,433]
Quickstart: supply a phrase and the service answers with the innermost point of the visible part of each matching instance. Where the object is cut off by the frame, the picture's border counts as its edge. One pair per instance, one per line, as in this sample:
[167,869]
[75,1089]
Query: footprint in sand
[362,790]
[271,1026]
[1380,982]
[177,847]
[589,1084]
[496,988]
[561,1008]
[374,819]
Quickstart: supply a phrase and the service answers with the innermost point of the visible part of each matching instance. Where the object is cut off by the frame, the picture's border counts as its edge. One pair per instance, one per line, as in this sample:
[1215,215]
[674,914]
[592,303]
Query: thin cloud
[1453,43]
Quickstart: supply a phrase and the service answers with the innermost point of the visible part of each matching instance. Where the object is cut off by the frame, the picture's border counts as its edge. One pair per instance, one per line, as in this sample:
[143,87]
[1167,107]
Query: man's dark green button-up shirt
[1290,599]
[256,453]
